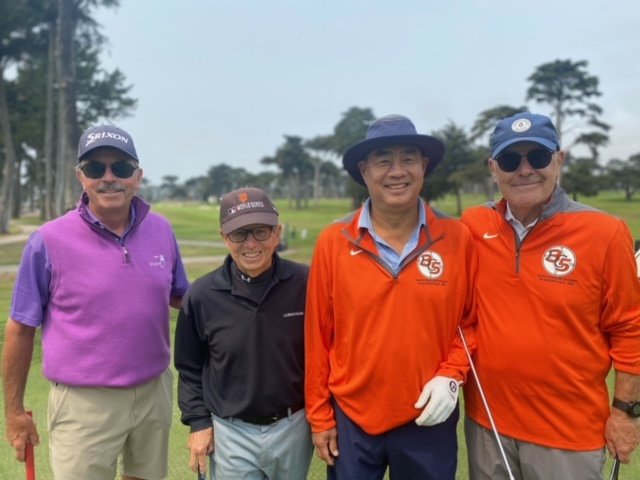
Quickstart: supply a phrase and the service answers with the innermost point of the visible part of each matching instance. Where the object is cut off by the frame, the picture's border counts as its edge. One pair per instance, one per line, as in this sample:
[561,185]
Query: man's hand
[200,445]
[21,430]
[326,444]
[622,434]
[440,395]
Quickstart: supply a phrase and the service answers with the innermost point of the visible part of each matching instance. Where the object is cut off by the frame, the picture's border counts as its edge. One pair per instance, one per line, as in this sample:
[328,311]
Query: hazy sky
[221,81]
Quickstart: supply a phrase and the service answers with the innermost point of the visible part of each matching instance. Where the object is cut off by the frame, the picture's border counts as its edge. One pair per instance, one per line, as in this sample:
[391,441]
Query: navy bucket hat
[392,130]
[524,127]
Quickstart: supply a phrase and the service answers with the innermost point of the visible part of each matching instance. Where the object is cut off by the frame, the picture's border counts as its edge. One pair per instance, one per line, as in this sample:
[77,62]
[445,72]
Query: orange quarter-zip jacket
[554,312]
[372,338]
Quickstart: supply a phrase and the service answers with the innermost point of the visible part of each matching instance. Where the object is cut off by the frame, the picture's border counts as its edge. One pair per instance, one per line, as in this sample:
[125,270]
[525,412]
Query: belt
[270,419]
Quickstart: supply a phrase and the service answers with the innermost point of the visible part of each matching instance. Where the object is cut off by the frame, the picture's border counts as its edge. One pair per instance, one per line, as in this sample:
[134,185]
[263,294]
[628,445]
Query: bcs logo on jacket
[559,260]
[430,265]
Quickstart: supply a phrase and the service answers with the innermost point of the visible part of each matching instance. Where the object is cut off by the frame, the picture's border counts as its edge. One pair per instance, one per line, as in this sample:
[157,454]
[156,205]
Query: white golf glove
[440,395]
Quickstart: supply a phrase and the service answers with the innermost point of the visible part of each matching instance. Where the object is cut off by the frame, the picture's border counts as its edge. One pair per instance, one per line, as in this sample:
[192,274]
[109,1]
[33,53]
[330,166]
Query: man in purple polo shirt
[99,281]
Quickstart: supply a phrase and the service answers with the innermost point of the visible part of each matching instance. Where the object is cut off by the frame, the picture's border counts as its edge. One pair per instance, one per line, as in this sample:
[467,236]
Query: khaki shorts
[90,427]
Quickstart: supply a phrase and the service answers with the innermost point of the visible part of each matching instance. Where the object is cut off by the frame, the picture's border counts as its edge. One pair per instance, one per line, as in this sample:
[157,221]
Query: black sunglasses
[95,170]
[259,233]
[538,158]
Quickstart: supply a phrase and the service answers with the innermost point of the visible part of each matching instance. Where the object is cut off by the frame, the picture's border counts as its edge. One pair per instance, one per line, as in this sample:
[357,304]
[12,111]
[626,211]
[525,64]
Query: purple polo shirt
[102,300]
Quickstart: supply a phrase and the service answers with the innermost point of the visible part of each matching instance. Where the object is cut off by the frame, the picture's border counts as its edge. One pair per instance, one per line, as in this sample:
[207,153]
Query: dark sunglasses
[259,233]
[538,158]
[95,170]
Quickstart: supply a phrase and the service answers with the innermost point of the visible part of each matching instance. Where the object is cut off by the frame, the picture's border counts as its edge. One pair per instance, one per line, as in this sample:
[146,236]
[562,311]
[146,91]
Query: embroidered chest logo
[559,260]
[157,261]
[430,264]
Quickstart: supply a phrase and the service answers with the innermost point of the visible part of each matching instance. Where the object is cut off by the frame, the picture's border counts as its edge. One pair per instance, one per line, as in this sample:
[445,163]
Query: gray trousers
[245,451]
[526,460]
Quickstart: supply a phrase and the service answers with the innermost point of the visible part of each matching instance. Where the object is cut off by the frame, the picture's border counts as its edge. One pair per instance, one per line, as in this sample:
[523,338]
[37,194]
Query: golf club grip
[29,462]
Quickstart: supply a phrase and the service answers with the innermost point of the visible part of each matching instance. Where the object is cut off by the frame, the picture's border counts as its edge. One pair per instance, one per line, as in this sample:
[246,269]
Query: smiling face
[109,194]
[252,256]
[527,189]
[394,175]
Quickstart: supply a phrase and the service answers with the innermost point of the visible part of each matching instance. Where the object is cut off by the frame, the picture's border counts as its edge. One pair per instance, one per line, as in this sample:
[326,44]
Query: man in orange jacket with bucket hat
[389,287]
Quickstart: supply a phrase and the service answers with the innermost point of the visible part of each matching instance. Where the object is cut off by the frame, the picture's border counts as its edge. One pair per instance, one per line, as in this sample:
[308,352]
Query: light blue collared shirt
[388,254]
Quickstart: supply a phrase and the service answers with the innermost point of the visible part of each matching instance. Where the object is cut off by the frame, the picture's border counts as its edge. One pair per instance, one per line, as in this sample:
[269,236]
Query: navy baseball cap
[392,130]
[524,127]
[106,136]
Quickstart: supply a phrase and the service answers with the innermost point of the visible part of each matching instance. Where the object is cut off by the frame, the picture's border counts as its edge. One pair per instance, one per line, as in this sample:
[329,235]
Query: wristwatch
[630,408]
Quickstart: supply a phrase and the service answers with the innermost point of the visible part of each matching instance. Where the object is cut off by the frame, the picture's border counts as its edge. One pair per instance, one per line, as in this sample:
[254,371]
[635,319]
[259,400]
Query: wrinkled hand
[622,434]
[326,444]
[200,445]
[440,395]
[21,430]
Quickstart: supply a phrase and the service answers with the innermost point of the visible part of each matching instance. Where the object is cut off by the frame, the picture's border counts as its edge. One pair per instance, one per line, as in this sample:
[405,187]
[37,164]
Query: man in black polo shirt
[239,352]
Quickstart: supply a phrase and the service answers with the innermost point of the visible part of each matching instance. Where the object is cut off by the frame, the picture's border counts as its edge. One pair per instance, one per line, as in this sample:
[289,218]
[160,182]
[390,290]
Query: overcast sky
[221,81]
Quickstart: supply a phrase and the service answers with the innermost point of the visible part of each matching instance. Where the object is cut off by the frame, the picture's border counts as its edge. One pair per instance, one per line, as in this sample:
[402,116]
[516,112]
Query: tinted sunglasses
[259,233]
[538,158]
[95,170]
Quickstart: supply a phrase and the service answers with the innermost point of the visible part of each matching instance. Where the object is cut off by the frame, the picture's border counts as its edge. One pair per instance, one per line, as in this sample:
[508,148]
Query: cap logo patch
[243,197]
[92,137]
[559,260]
[521,125]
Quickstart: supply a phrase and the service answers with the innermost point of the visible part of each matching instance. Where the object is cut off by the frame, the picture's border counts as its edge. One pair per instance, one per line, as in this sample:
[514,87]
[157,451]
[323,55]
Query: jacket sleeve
[189,359]
[621,302]
[457,363]
[318,340]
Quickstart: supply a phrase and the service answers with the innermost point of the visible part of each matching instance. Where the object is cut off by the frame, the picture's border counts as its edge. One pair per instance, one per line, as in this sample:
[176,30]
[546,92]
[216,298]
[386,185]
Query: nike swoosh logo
[355,252]
[489,235]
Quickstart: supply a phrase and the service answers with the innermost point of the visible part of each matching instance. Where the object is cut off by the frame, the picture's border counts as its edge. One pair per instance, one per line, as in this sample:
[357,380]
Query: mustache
[110,188]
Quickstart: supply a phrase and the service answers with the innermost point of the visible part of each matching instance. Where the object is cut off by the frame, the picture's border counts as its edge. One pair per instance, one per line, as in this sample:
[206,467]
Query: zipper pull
[125,254]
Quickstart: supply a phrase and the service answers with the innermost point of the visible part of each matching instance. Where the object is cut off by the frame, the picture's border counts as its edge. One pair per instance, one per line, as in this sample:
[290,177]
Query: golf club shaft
[486,405]
[29,459]
[615,469]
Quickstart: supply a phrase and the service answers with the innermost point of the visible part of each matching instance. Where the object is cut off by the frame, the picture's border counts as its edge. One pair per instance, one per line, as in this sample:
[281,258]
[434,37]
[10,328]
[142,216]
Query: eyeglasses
[259,233]
[95,170]
[538,158]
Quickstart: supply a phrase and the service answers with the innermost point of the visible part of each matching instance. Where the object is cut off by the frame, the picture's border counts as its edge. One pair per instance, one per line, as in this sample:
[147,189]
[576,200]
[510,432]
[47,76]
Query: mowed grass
[199,222]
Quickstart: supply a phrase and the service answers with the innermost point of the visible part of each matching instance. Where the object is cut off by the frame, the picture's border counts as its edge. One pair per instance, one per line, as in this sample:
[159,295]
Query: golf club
[201,475]
[29,462]
[615,469]
[486,405]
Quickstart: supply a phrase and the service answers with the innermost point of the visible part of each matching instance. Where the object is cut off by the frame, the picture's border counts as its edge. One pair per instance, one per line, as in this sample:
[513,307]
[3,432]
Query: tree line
[53,85]
[310,168]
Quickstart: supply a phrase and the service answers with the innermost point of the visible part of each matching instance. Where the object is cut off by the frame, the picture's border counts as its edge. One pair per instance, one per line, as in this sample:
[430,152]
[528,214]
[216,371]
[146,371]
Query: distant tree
[223,178]
[593,141]
[487,120]
[351,129]
[322,151]
[625,175]
[582,176]
[450,175]
[569,89]
[16,27]
[296,166]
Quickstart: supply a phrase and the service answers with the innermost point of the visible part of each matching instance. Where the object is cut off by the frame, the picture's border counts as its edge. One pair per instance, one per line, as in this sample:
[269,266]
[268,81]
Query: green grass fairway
[198,223]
